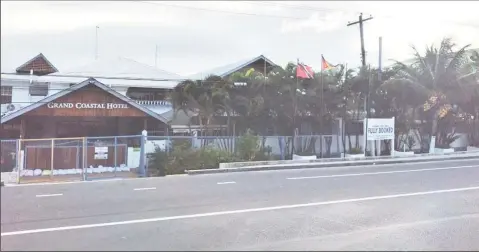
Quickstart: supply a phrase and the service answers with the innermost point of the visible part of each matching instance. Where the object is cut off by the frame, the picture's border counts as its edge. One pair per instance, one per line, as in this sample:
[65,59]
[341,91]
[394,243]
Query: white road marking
[385,172]
[225,183]
[144,189]
[49,195]
[250,210]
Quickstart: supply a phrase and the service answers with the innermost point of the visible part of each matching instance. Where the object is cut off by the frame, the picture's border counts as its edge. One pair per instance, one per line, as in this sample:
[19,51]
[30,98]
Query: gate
[111,157]
[43,160]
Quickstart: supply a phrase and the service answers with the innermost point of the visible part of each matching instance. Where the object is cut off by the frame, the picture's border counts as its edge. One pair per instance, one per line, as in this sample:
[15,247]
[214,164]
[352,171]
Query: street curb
[324,165]
[328,160]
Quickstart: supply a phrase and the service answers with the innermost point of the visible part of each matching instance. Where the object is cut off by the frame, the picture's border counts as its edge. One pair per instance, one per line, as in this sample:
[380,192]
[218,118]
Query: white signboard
[101,152]
[380,129]
[81,105]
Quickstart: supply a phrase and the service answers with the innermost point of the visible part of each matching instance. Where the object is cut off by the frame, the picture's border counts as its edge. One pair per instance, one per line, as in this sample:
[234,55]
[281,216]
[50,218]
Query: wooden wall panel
[87,95]
[72,157]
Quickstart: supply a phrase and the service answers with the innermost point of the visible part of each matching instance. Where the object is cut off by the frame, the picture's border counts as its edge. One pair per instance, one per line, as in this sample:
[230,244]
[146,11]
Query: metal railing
[87,158]
[274,146]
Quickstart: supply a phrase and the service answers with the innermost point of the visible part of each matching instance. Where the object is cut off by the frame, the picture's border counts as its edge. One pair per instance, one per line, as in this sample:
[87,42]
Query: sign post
[378,129]
[142,165]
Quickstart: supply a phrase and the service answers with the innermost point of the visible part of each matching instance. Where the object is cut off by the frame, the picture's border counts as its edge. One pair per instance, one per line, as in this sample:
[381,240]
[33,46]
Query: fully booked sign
[81,105]
[380,129]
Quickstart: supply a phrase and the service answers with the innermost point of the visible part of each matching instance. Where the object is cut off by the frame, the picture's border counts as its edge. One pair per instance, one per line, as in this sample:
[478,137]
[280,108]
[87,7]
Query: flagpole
[294,107]
[321,110]
[343,122]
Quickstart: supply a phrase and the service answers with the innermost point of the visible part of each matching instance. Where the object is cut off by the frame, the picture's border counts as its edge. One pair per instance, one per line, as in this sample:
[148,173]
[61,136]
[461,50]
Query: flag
[304,71]
[326,65]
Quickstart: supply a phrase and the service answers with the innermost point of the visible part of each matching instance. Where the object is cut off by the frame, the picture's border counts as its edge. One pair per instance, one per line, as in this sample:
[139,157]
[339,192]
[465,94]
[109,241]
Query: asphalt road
[422,206]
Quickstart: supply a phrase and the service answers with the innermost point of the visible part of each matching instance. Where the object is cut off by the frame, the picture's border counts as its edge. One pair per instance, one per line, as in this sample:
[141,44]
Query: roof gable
[90,81]
[39,64]
[226,70]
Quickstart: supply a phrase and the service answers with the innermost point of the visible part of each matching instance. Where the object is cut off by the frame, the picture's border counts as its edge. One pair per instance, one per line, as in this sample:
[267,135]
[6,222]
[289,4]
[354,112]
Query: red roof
[39,64]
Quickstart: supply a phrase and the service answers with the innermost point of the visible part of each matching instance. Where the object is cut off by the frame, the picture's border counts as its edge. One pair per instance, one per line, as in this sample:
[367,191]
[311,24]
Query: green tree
[205,98]
[436,76]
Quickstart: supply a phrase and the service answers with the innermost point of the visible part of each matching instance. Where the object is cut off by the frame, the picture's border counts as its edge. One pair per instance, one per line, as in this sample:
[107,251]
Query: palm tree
[247,99]
[435,75]
[205,98]
[469,96]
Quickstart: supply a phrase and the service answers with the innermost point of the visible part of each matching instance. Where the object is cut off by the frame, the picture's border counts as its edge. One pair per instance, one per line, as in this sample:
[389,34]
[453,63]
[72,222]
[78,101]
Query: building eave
[73,88]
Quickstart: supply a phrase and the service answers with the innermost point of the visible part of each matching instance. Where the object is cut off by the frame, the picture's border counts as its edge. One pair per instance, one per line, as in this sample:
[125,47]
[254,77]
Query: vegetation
[183,156]
[432,96]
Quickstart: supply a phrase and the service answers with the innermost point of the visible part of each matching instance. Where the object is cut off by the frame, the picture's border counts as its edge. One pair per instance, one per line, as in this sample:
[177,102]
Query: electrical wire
[291,6]
[302,7]
[219,11]
[310,8]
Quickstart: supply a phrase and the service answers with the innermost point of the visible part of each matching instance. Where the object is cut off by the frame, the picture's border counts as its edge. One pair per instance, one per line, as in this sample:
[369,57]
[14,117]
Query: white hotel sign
[81,105]
[380,129]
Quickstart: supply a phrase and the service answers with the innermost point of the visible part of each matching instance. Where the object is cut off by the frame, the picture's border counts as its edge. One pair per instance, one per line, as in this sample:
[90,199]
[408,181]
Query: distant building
[260,64]
[37,83]
[116,96]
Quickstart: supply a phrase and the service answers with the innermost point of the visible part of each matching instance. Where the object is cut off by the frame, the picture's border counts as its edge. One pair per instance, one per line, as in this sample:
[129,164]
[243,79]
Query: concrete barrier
[323,160]
[333,162]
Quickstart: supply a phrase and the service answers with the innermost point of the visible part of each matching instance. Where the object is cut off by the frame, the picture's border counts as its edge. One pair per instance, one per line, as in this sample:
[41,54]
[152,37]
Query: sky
[193,36]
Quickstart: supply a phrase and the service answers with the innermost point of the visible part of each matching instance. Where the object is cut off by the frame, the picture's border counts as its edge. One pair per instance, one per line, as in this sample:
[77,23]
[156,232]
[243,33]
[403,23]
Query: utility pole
[363,61]
[361,33]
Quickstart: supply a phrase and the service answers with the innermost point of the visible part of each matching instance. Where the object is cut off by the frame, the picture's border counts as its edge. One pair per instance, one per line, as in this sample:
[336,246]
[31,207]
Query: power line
[220,11]
[304,7]
[435,20]
[301,7]
[310,8]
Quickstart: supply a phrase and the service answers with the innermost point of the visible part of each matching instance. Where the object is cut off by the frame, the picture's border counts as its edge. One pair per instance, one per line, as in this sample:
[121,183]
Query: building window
[39,89]
[6,94]
[147,94]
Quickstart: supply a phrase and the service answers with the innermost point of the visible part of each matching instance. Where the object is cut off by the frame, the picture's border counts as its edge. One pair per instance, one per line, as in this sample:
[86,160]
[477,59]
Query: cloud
[192,40]
[315,23]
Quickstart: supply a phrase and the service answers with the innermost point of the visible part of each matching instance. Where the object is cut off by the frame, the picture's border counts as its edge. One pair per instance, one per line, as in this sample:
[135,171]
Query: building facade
[124,90]
[115,96]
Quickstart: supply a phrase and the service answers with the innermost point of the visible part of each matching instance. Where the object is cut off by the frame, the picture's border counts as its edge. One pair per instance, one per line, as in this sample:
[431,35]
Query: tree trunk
[343,135]
[356,115]
[203,132]
[229,139]
[349,137]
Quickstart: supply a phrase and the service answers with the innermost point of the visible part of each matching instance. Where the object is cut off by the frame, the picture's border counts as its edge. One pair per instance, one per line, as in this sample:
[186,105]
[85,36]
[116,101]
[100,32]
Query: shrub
[211,157]
[248,146]
[264,154]
[157,162]
[447,140]
[356,151]
[182,157]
